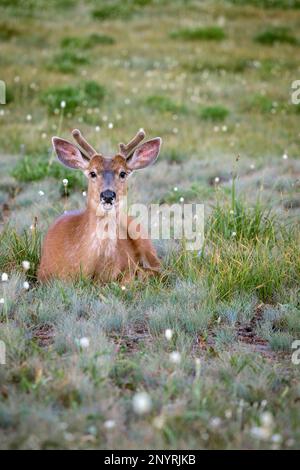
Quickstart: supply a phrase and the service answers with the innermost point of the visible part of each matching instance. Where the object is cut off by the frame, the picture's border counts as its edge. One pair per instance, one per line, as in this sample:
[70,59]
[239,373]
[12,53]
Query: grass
[36,168]
[90,93]
[214,113]
[67,61]
[209,33]
[276,35]
[86,42]
[164,104]
[77,353]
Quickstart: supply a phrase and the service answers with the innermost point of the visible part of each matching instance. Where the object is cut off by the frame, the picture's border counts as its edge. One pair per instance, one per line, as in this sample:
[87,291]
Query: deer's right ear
[69,154]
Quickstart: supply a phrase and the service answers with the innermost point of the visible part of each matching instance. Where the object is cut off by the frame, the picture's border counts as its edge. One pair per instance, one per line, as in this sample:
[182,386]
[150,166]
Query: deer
[90,242]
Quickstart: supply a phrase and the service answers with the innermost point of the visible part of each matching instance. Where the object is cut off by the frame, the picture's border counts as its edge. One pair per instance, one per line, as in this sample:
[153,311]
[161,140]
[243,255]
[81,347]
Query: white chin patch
[107,206]
[104,208]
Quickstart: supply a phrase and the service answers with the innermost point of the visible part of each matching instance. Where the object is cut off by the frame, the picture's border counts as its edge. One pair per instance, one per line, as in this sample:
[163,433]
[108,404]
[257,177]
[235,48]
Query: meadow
[199,357]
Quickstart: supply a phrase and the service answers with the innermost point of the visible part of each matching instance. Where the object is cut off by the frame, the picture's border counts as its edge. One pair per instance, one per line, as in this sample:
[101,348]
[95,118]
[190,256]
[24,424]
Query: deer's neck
[102,230]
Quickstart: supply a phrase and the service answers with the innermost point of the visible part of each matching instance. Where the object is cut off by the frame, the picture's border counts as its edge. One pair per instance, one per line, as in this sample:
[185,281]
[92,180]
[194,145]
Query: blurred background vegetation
[213,79]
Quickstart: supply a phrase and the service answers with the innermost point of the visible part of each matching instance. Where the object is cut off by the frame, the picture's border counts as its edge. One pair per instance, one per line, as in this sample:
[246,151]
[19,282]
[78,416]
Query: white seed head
[4,277]
[109,424]
[276,438]
[260,433]
[84,342]
[65,181]
[233,234]
[181,199]
[84,193]
[168,334]
[175,357]
[217,179]
[267,419]
[141,403]
[215,422]
[110,125]
[158,422]
[123,287]
[2,300]
[285,156]
[41,193]
[63,104]
[26,285]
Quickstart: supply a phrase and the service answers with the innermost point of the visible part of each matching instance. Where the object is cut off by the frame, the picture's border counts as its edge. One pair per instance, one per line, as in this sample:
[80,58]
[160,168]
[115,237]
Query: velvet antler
[126,150]
[89,150]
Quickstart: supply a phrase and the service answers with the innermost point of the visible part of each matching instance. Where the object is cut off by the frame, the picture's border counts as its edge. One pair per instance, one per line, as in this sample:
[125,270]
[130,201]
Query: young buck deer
[89,241]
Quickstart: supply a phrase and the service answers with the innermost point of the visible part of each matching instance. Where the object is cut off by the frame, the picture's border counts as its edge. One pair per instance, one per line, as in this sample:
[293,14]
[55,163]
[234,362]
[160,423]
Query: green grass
[276,35]
[16,248]
[36,168]
[86,42]
[280,4]
[91,93]
[209,33]
[67,61]
[164,104]
[215,96]
[214,113]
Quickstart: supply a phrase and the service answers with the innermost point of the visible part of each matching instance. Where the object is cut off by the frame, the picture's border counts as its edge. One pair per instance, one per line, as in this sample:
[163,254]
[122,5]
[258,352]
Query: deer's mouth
[107,206]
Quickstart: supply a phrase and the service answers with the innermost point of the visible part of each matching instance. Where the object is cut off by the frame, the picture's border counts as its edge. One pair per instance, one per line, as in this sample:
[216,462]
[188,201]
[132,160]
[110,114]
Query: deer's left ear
[145,154]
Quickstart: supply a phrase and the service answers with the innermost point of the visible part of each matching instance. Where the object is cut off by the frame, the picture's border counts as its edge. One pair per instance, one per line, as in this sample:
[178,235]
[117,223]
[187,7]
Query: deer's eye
[93,174]
[122,175]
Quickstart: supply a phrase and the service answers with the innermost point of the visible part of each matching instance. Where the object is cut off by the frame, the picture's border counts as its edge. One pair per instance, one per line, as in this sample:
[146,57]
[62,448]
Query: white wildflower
[260,433]
[4,277]
[110,125]
[181,199]
[63,104]
[215,422]
[109,424]
[26,285]
[141,403]
[41,193]
[267,419]
[65,181]
[217,179]
[2,300]
[276,438]
[158,422]
[168,334]
[25,265]
[285,156]
[84,342]
[175,357]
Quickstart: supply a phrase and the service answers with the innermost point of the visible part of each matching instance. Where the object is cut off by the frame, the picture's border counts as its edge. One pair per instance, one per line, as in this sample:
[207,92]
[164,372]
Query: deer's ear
[69,154]
[145,154]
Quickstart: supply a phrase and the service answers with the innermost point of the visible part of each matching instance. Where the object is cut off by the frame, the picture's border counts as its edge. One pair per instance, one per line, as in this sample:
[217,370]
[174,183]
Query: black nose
[108,196]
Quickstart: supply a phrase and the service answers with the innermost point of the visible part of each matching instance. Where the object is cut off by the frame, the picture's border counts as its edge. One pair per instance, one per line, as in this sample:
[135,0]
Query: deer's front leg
[148,256]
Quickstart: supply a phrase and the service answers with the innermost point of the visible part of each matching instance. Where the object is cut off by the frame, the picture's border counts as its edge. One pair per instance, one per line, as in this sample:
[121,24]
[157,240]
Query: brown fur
[73,246]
